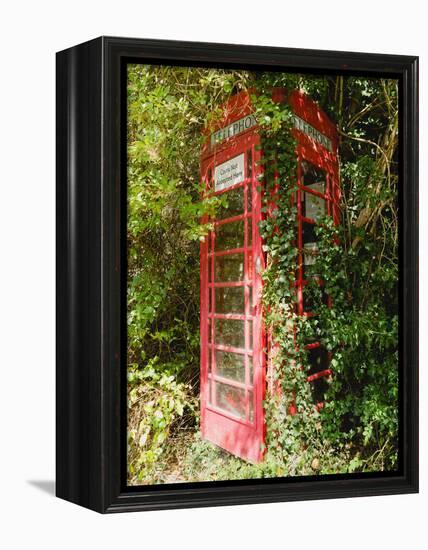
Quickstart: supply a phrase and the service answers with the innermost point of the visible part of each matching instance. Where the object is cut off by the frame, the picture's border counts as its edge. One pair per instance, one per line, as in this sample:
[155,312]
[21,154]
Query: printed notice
[229,173]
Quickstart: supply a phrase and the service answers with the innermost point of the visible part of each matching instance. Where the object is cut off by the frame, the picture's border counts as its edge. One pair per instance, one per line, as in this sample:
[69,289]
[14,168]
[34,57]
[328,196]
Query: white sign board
[229,173]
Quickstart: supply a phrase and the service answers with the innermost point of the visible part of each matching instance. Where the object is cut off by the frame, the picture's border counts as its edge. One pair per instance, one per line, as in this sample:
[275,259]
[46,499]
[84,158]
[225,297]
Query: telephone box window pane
[312,175]
[319,389]
[209,359]
[230,332]
[229,235]
[249,232]
[309,305]
[317,360]
[209,330]
[310,270]
[250,333]
[234,204]
[229,268]
[209,269]
[251,404]
[310,299]
[313,206]
[230,365]
[209,391]
[249,163]
[230,300]
[250,368]
[310,251]
[308,233]
[249,198]
[231,399]
[310,267]
[250,265]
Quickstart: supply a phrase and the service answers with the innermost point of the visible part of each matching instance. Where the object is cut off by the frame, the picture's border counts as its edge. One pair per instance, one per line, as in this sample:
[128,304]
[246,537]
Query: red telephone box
[233,341]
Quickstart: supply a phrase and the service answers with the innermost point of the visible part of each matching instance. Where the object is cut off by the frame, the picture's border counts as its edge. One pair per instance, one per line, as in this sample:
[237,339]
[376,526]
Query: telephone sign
[312,132]
[233,129]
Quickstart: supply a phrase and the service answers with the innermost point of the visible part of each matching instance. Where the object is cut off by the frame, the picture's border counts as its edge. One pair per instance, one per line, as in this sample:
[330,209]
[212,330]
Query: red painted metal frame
[327,161]
[244,436]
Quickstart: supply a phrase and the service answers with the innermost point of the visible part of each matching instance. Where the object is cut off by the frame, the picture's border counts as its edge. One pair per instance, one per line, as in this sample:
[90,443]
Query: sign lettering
[233,129]
[312,132]
[229,173]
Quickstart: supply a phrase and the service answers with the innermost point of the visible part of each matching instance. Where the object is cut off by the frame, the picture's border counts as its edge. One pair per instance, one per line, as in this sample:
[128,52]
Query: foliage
[158,405]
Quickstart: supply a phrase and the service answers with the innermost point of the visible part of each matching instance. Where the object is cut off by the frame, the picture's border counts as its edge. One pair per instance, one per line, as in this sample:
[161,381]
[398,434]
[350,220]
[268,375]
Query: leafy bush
[157,406]
[167,110]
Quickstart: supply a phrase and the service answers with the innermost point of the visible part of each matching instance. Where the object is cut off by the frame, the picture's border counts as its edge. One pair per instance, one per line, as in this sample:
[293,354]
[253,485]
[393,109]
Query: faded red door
[232,339]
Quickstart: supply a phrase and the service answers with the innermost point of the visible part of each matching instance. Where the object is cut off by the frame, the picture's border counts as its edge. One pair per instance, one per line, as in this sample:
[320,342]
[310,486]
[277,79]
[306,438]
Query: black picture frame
[91,193]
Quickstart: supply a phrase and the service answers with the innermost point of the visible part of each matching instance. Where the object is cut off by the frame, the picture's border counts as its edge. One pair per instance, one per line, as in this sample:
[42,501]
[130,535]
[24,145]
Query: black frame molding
[91,193]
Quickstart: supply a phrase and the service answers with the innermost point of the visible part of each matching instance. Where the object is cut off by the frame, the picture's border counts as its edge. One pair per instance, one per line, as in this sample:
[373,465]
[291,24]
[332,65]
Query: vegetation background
[357,430]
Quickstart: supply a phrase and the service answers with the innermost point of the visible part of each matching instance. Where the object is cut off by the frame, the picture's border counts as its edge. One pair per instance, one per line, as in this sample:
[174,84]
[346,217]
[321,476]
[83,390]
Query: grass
[188,458]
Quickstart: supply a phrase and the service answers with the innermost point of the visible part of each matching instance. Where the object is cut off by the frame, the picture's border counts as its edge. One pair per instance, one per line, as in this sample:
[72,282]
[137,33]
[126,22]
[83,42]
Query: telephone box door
[232,339]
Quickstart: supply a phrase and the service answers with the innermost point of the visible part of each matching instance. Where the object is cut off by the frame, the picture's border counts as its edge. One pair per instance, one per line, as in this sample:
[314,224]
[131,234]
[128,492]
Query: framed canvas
[237,282]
